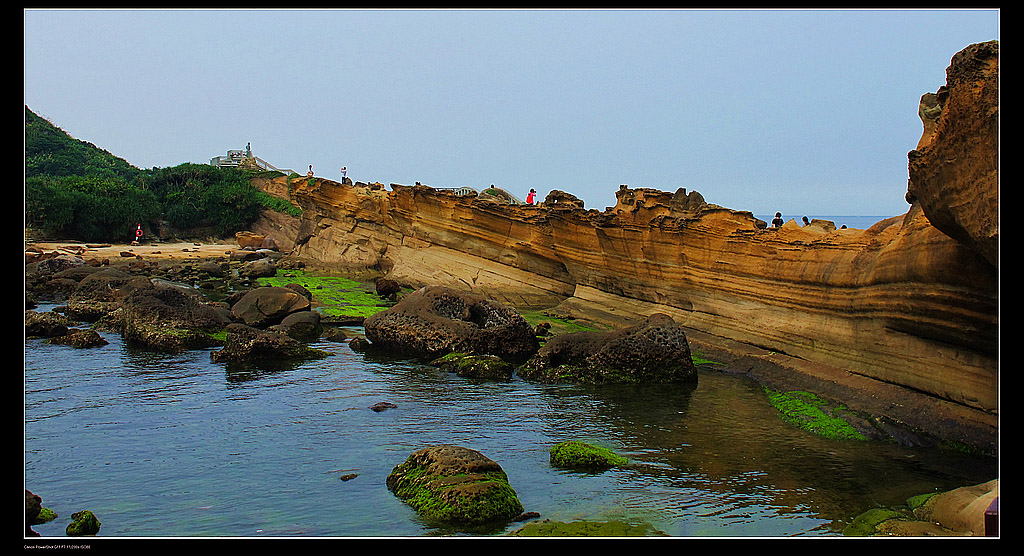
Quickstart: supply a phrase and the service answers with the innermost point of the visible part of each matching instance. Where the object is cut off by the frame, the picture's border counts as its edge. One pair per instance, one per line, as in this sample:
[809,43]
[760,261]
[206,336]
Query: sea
[175,446]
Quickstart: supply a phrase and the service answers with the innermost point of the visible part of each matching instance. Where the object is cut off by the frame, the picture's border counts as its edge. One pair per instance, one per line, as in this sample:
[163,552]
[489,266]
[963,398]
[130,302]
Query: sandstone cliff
[912,301]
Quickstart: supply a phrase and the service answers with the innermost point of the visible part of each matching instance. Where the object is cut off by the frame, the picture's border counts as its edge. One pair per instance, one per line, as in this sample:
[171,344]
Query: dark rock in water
[168,317]
[382,406]
[359,345]
[84,524]
[79,338]
[655,351]
[265,306]
[335,335]
[248,344]
[435,321]
[302,325]
[475,366]
[33,505]
[454,484]
[45,324]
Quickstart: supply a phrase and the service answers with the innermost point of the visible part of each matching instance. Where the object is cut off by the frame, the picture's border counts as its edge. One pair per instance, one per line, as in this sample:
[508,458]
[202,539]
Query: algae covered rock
[84,524]
[574,454]
[454,484]
[475,366]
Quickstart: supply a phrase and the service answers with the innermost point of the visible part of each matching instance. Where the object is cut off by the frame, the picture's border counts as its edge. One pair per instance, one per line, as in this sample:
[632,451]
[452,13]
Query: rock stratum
[910,303]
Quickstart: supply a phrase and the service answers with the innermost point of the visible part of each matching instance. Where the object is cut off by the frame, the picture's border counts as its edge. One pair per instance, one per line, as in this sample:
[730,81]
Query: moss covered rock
[475,366]
[574,454]
[455,485]
[84,524]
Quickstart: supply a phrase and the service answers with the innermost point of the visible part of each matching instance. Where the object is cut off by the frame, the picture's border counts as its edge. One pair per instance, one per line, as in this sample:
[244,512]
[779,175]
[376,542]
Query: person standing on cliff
[309,174]
[777,222]
[531,197]
[344,173]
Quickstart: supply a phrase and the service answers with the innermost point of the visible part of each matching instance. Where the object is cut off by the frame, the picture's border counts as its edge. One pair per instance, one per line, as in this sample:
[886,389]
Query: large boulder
[453,484]
[168,318]
[437,320]
[268,305]
[101,292]
[654,351]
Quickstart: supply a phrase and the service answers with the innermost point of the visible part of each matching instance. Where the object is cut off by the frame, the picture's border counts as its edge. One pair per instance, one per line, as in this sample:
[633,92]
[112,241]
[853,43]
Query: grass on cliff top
[334,296]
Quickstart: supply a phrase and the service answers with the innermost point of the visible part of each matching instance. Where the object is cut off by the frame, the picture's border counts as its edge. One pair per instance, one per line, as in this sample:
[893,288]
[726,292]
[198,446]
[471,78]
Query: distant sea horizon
[857,222]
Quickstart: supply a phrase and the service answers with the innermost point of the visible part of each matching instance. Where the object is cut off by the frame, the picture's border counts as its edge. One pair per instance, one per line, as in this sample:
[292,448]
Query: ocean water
[160,445]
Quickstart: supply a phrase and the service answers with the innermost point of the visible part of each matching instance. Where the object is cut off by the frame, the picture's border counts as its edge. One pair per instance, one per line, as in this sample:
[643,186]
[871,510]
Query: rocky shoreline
[890,411]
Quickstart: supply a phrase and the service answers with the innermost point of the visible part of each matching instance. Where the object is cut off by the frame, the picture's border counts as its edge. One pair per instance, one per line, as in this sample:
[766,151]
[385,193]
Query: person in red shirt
[531,196]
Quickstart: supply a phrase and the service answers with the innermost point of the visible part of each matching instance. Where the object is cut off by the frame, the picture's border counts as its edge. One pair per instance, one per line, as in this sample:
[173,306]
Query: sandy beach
[148,250]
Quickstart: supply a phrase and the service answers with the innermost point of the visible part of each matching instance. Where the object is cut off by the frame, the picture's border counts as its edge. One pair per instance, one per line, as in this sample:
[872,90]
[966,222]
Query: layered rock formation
[912,301]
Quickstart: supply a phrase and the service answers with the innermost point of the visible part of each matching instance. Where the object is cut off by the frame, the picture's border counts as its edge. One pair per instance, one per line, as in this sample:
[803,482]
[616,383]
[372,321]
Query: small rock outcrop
[83,524]
[436,320]
[578,455]
[453,484]
[248,344]
[654,351]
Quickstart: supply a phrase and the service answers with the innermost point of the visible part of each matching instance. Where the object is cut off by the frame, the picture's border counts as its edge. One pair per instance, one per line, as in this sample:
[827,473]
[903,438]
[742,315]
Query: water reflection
[137,436]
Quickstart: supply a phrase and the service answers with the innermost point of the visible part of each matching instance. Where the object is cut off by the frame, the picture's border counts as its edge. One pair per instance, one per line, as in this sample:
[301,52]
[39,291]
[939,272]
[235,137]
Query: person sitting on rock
[777,222]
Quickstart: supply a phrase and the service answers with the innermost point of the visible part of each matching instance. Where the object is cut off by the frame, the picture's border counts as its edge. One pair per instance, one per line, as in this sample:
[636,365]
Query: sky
[807,112]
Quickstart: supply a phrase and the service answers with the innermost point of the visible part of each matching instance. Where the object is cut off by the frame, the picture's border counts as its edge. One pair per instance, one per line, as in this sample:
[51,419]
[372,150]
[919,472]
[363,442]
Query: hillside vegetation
[76,190]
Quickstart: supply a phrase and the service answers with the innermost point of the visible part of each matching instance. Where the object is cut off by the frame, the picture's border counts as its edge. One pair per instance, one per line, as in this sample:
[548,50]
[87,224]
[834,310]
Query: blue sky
[801,111]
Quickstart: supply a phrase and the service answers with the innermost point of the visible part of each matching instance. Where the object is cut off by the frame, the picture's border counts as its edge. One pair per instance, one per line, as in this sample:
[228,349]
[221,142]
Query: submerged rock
[454,484]
[574,454]
[436,320]
[654,351]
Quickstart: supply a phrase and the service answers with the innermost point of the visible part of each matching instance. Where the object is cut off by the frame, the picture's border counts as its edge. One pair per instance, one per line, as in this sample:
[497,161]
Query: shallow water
[177,446]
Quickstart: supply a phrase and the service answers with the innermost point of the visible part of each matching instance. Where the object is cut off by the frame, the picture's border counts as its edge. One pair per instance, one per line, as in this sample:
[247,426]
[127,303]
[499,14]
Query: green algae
[809,412]
[574,454]
[462,498]
[866,524]
[334,296]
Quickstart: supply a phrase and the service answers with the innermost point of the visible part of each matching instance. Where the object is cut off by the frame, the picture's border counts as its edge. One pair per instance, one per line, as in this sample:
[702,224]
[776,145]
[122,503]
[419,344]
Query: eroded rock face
[954,171]
[903,302]
[436,320]
[654,351]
